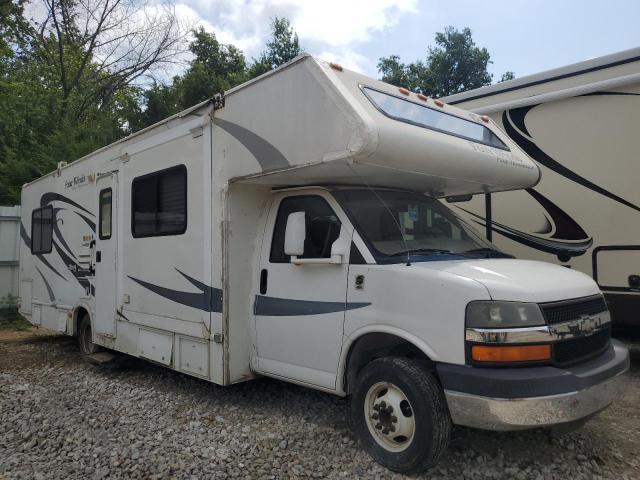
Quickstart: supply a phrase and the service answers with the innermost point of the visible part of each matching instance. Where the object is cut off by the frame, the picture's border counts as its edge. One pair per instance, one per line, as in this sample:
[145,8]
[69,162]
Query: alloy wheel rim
[389,416]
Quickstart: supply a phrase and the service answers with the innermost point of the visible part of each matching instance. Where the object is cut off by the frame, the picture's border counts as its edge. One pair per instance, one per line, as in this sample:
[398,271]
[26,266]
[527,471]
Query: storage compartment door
[617,268]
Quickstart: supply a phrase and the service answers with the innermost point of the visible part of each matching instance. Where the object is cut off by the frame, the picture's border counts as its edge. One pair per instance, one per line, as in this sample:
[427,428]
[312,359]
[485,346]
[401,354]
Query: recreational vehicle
[291,228]
[580,124]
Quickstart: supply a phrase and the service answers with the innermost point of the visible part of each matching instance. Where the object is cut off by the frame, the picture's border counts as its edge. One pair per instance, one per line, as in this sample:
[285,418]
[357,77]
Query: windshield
[394,222]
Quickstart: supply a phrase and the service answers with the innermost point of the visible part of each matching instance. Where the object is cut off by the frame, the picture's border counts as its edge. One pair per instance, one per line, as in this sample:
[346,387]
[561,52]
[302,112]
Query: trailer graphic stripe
[49,197]
[268,156]
[52,297]
[284,307]
[209,299]
[516,117]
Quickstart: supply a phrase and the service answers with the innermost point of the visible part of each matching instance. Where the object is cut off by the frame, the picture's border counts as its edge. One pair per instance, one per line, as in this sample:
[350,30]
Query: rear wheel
[85,339]
[400,414]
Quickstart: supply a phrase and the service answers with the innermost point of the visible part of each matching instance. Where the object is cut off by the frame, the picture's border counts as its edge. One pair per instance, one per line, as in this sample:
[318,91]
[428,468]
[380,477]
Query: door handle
[98,256]
[263,281]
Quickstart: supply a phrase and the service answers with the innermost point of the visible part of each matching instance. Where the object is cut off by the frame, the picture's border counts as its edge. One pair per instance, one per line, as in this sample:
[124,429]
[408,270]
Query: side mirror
[295,234]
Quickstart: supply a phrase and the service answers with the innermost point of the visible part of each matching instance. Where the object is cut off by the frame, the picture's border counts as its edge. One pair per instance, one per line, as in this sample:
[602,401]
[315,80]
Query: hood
[521,280]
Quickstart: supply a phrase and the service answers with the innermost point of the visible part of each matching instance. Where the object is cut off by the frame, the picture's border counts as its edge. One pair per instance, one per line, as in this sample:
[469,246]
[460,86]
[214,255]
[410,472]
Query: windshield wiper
[423,250]
[487,251]
[482,250]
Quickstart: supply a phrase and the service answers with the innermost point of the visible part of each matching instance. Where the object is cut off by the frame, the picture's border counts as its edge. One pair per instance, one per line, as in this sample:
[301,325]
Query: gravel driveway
[61,417]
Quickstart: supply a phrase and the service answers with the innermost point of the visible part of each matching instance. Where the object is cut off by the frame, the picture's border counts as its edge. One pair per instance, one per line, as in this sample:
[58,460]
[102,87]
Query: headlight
[494,314]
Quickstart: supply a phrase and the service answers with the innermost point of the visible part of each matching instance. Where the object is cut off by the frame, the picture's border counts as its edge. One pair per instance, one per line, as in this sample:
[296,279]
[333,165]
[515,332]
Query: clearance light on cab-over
[523,353]
[484,118]
[422,97]
[336,66]
[439,103]
[404,91]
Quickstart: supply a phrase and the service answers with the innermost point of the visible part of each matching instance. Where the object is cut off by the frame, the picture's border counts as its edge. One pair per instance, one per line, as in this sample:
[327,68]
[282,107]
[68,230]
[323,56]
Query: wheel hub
[389,416]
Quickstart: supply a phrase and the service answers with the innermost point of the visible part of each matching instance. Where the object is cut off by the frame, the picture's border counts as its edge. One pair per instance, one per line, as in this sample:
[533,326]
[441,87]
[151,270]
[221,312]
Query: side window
[42,230]
[322,226]
[105,214]
[159,203]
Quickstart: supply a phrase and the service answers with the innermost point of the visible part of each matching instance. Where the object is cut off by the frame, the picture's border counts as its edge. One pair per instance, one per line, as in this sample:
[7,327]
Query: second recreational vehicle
[580,124]
[291,228]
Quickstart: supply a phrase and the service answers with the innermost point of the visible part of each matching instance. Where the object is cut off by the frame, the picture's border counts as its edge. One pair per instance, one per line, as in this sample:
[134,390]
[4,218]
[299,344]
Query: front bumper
[531,397]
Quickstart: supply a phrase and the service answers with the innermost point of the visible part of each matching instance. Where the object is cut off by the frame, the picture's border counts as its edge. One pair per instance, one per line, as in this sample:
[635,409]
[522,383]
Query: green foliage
[453,65]
[10,319]
[413,76]
[506,76]
[281,48]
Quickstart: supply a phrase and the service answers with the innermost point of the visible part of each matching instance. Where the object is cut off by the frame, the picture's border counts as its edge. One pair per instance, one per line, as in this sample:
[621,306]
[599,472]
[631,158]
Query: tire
[87,347]
[406,391]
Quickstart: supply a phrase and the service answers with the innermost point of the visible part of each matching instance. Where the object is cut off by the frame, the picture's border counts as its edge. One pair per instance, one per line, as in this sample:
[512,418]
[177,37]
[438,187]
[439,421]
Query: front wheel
[400,414]
[85,339]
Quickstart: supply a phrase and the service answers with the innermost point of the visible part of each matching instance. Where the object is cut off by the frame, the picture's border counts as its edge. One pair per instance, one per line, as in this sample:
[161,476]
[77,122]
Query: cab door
[299,309]
[105,256]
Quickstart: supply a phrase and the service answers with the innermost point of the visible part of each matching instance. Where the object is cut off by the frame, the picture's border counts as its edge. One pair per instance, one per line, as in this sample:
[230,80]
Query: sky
[524,36]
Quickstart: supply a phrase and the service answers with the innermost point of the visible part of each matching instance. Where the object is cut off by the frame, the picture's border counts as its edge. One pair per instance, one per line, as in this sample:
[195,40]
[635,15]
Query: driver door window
[322,227]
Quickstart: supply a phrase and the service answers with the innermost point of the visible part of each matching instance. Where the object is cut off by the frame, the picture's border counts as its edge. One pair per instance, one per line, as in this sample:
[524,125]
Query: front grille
[581,348]
[567,310]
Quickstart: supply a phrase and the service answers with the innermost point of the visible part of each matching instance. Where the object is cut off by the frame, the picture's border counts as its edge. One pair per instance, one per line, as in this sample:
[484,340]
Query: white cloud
[328,26]
[348,58]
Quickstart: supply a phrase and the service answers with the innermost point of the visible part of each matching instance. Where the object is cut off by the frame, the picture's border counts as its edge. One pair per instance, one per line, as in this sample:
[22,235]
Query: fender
[377,328]
[80,304]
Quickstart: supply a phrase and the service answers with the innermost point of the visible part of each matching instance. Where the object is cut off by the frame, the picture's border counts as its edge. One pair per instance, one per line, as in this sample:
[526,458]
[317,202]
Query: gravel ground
[61,417]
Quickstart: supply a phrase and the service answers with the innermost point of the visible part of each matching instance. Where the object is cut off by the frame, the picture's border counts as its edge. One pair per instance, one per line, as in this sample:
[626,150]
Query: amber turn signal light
[523,353]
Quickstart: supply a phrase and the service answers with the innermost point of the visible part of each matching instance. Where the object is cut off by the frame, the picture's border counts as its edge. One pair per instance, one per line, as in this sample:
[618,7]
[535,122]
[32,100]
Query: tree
[67,78]
[506,76]
[216,67]
[281,48]
[454,65]
[96,47]
[413,76]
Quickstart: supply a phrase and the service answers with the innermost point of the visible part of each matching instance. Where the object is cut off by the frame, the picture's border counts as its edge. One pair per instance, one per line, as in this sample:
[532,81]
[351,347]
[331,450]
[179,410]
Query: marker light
[523,353]
[439,103]
[404,91]
[336,66]
[423,97]
[484,118]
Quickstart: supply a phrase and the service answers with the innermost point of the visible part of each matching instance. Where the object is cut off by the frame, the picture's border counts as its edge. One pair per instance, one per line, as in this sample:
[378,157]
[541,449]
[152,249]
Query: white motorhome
[291,228]
[580,124]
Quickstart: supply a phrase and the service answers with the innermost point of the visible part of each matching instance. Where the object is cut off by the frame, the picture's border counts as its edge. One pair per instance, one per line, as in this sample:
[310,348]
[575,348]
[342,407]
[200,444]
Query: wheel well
[78,315]
[377,345]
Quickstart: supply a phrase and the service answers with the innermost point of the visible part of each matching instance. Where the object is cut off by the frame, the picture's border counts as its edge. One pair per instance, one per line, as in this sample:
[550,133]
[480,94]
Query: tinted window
[322,228]
[105,214]
[42,230]
[159,203]
[423,116]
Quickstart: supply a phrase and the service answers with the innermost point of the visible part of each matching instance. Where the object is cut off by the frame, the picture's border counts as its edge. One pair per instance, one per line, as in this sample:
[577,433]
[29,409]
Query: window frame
[33,213]
[364,89]
[102,192]
[157,173]
[275,222]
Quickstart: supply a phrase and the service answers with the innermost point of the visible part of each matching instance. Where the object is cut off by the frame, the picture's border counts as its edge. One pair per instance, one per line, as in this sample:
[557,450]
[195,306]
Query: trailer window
[426,117]
[159,203]
[105,214]
[322,227]
[42,230]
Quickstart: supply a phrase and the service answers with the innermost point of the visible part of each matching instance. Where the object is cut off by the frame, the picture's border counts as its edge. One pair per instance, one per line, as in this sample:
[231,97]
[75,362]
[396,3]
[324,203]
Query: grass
[10,319]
